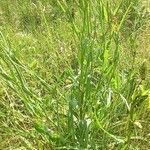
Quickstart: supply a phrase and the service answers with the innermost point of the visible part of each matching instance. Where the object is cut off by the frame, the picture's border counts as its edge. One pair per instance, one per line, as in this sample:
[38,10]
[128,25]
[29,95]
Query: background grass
[74,74]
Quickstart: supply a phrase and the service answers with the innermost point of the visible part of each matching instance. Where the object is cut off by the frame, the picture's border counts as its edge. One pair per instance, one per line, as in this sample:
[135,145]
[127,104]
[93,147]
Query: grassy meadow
[74,74]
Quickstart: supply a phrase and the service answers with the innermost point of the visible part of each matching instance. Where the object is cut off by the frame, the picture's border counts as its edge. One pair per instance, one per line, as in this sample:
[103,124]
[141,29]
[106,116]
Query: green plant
[64,85]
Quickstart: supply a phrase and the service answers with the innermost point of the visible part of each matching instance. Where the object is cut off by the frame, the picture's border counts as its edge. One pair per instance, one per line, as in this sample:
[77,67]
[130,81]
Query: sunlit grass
[73,75]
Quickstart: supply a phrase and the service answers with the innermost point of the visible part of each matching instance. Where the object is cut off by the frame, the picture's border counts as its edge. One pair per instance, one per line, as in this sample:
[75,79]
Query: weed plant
[69,74]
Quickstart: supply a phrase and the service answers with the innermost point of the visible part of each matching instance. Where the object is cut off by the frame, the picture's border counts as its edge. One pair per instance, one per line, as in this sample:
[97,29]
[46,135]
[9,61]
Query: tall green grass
[68,75]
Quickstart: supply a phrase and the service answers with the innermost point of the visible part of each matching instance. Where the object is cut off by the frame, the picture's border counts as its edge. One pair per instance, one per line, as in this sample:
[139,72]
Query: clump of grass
[68,89]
